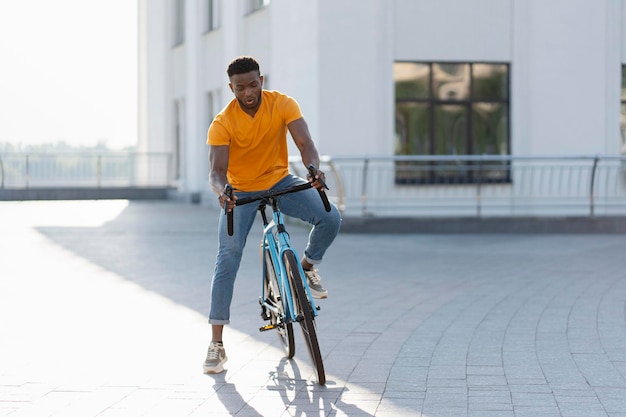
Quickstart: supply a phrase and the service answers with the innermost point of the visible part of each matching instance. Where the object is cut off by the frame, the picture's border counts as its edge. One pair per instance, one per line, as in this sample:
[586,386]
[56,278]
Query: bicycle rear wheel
[272,294]
[306,317]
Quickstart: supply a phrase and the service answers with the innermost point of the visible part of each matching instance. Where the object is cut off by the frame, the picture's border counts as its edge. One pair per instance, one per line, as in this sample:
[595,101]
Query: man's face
[247,89]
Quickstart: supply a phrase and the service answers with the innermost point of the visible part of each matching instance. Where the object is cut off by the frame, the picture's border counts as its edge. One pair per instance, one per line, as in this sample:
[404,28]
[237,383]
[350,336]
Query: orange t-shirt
[258,154]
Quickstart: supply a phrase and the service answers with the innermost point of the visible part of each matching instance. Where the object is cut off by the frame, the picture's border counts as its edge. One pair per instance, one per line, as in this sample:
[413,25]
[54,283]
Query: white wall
[293,66]
[155,109]
[453,30]
[195,168]
[561,75]
[623,30]
[255,35]
[355,70]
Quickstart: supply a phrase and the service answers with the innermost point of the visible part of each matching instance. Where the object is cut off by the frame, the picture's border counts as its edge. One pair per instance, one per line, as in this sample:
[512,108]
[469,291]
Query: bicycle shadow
[231,398]
[302,396]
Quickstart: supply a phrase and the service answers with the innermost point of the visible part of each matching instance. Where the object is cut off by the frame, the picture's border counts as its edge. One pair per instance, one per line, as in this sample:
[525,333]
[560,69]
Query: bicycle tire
[306,316]
[283,329]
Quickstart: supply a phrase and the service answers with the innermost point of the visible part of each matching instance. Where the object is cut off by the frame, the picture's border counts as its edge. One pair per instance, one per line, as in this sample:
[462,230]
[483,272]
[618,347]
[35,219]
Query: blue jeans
[305,205]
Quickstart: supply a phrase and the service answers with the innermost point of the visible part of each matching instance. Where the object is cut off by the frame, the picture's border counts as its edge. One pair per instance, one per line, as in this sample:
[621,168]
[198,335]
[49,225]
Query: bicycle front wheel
[306,318]
[272,294]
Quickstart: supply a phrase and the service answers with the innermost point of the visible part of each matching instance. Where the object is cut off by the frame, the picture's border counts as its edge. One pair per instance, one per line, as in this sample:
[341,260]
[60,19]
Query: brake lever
[323,196]
[313,173]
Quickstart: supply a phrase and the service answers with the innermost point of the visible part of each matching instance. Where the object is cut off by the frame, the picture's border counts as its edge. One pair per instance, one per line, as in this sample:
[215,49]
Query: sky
[68,71]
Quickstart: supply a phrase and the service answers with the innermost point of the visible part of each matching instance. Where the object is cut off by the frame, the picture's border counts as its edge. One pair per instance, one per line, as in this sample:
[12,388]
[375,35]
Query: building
[389,77]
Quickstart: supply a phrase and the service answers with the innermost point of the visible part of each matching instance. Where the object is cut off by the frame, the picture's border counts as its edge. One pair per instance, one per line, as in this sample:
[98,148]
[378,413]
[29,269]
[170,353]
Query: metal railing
[477,186]
[84,169]
[416,186]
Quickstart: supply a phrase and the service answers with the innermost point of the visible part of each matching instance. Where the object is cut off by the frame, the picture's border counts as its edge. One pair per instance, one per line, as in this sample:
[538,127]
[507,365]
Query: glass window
[450,130]
[451,82]
[213,11]
[451,109]
[412,129]
[490,137]
[411,80]
[489,82]
[489,129]
[179,22]
[412,133]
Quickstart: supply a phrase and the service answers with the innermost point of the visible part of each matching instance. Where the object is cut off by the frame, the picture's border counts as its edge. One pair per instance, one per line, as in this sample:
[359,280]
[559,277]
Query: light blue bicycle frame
[276,242]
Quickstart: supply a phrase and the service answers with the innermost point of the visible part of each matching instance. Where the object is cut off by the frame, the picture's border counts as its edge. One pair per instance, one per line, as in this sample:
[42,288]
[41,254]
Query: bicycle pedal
[268,327]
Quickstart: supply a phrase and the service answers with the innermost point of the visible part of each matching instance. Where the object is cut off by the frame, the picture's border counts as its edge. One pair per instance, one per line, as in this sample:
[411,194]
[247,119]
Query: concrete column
[194,143]
[154,118]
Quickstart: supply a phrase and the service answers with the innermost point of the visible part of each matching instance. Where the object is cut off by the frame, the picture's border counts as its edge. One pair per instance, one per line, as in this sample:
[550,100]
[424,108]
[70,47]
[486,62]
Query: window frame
[432,172]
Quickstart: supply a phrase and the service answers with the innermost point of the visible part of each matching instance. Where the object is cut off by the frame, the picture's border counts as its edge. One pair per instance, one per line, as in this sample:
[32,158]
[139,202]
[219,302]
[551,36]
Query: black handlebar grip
[228,191]
[323,196]
[324,200]
[229,218]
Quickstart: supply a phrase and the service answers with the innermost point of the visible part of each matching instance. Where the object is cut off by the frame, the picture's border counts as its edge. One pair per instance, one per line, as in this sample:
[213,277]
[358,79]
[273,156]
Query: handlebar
[228,190]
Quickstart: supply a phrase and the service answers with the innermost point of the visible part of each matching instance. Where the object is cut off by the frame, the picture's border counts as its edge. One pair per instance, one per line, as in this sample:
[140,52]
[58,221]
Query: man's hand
[317,178]
[227,198]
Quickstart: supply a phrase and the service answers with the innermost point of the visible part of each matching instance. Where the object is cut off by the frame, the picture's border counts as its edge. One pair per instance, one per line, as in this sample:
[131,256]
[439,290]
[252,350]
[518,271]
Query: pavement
[103,308]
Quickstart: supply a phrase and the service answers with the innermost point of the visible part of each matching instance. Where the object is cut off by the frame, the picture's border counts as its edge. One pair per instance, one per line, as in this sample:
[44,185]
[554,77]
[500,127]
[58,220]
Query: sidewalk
[103,309]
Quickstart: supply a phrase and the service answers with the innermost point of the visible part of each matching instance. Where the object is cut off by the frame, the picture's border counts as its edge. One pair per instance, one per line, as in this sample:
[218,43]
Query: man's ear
[262,78]
[230,85]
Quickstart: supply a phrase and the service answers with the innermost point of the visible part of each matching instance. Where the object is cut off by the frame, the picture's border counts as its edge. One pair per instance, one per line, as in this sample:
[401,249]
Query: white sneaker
[315,285]
[215,359]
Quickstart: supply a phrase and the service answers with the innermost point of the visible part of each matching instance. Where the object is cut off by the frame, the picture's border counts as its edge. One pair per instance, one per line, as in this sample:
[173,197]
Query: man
[248,150]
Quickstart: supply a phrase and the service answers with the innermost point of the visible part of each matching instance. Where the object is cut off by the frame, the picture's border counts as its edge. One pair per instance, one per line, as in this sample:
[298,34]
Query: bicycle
[285,296]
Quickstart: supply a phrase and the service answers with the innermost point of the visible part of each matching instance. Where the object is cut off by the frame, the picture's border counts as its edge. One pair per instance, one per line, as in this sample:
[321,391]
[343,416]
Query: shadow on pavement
[169,248]
[303,399]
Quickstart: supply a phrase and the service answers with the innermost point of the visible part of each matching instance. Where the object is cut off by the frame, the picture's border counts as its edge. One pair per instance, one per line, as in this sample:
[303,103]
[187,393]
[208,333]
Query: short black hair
[242,65]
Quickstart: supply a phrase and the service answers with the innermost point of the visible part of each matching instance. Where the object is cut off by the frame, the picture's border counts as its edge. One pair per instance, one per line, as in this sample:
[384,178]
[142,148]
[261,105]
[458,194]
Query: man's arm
[300,133]
[218,159]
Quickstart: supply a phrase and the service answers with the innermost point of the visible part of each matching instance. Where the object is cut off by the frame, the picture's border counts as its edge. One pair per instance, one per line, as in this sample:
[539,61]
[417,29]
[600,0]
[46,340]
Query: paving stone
[431,326]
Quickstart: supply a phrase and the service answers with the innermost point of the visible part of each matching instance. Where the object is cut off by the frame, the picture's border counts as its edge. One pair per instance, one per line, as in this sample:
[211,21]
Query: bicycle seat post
[274,203]
[261,208]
